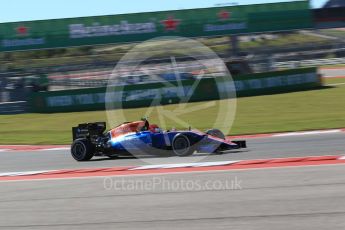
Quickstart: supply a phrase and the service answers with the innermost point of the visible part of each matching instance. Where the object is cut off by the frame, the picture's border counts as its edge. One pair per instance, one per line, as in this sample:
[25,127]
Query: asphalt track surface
[273,198]
[280,198]
[258,148]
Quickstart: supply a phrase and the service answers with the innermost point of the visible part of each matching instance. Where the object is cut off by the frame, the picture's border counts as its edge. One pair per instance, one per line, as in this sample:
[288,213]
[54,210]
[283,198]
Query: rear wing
[88,130]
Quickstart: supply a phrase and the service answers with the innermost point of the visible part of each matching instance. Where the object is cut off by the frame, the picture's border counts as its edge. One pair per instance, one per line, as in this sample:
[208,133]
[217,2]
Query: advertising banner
[142,26]
[133,96]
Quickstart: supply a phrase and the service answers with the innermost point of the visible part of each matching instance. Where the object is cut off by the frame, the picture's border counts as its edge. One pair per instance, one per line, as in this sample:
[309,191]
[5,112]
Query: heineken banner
[142,94]
[142,26]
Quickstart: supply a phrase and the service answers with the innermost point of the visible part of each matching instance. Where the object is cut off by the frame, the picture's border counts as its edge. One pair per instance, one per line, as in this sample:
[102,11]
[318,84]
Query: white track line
[57,148]
[27,173]
[308,133]
[143,175]
[183,165]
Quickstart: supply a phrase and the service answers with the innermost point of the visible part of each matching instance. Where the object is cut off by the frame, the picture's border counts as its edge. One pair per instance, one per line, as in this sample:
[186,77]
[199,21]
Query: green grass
[314,109]
[328,81]
[334,32]
[333,66]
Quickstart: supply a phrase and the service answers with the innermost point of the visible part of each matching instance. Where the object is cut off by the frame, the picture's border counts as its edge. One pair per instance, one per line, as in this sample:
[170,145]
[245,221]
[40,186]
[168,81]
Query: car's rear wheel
[216,133]
[82,150]
[182,146]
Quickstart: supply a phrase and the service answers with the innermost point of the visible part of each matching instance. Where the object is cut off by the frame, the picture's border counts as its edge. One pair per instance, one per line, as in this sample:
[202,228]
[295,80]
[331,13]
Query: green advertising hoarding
[143,26]
[140,95]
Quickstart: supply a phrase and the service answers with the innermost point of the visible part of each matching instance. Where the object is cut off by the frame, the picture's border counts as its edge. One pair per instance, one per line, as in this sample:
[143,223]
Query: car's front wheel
[82,149]
[216,133]
[182,146]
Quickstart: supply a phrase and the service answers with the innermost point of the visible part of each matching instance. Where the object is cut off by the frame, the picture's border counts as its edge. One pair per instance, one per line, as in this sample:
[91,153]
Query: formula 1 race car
[138,137]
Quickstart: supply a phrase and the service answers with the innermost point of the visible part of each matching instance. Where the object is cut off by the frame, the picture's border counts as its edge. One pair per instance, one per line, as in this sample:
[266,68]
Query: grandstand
[91,66]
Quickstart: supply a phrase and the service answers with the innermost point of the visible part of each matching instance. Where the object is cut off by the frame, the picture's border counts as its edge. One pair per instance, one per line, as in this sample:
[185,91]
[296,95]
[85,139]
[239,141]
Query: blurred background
[80,53]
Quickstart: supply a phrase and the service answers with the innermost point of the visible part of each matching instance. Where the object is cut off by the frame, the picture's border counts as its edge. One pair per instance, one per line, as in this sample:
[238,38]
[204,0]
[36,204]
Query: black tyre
[216,133]
[182,146]
[82,150]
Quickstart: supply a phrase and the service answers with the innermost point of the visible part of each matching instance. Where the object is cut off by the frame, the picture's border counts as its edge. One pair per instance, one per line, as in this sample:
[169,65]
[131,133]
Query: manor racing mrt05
[140,137]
